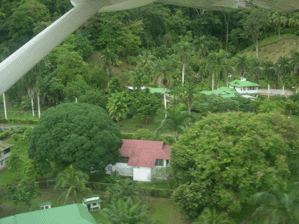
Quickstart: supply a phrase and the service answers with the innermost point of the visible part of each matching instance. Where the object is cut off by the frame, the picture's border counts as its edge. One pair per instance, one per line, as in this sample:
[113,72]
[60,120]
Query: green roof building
[245,88]
[223,91]
[74,214]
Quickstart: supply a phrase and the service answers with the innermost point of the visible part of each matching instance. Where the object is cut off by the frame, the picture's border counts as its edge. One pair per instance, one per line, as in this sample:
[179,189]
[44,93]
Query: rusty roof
[5,145]
[143,153]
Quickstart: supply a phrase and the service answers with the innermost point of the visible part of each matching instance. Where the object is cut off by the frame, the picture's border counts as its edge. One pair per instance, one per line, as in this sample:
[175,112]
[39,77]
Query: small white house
[92,202]
[245,88]
[45,205]
[4,153]
[141,159]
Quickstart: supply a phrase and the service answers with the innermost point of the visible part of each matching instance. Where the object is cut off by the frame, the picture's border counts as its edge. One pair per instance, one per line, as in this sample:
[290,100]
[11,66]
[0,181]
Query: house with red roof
[141,159]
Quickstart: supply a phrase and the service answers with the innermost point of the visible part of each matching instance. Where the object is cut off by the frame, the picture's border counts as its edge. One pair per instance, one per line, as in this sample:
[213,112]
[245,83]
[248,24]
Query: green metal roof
[74,214]
[239,83]
[91,196]
[158,90]
[5,145]
[222,91]
[94,201]
[45,203]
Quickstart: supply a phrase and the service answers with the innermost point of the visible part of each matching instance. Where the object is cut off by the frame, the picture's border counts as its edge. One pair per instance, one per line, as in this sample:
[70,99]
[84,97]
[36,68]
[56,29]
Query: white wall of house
[138,173]
[3,159]
[247,90]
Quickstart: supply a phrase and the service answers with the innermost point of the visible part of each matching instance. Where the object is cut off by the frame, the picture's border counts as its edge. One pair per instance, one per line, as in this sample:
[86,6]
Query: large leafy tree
[25,191]
[255,24]
[225,158]
[79,134]
[269,72]
[278,205]
[278,19]
[74,182]
[242,64]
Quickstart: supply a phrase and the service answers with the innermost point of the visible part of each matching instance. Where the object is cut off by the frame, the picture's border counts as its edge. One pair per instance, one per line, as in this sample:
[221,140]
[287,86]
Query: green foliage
[144,104]
[143,134]
[76,89]
[176,121]
[26,103]
[93,97]
[79,134]
[25,191]
[123,188]
[125,211]
[98,78]
[209,216]
[15,163]
[127,135]
[278,205]
[268,106]
[74,182]
[27,133]
[32,170]
[115,85]
[224,158]
[118,105]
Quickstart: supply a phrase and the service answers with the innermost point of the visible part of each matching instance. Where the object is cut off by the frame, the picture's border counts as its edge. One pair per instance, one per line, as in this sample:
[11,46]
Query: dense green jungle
[232,159]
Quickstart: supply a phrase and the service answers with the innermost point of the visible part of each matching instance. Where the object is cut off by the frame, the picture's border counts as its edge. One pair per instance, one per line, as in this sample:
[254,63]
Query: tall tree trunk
[213,82]
[183,73]
[4,104]
[227,23]
[279,32]
[107,71]
[38,105]
[31,96]
[165,103]
[257,48]
[189,106]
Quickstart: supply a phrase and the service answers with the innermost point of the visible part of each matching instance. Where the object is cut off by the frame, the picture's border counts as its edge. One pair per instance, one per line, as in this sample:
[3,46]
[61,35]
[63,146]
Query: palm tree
[279,205]
[255,68]
[164,69]
[146,61]
[218,65]
[122,188]
[295,66]
[201,46]
[242,64]
[176,121]
[294,21]
[29,81]
[269,71]
[74,182]
[209,216]
[202,69]
[189,90]
[279,19]
[184,52]
[283,68]
[108,57]
[126,212]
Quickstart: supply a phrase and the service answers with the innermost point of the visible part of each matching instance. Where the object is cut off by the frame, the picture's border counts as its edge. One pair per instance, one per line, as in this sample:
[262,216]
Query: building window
[124,159]
[94,204]
[6,151]
[159,162]
[1,162]
[167,162]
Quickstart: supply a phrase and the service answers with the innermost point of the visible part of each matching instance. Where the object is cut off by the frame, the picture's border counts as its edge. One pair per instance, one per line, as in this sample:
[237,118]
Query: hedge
[4,135]
[17,121]
[127,135]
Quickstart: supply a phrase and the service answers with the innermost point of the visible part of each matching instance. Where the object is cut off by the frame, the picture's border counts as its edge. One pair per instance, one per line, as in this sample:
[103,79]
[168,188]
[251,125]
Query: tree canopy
[225,158]
[75,133]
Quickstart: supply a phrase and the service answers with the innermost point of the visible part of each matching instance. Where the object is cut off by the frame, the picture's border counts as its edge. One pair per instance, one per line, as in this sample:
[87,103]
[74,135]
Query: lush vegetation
[228,155]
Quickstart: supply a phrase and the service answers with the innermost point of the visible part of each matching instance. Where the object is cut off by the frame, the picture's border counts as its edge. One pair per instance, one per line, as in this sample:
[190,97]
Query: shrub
[127,135]
[143,134]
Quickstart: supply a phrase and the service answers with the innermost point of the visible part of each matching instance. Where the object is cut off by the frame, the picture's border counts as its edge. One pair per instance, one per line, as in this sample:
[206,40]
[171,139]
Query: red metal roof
[143,153]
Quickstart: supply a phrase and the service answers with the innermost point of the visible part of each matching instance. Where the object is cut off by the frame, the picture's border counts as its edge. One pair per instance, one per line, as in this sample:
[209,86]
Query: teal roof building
[74,214]
[223,91]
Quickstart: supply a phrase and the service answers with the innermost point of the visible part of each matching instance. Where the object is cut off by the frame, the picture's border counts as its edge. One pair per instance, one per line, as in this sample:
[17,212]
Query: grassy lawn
[133,124]
[8,208]
[19,115]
